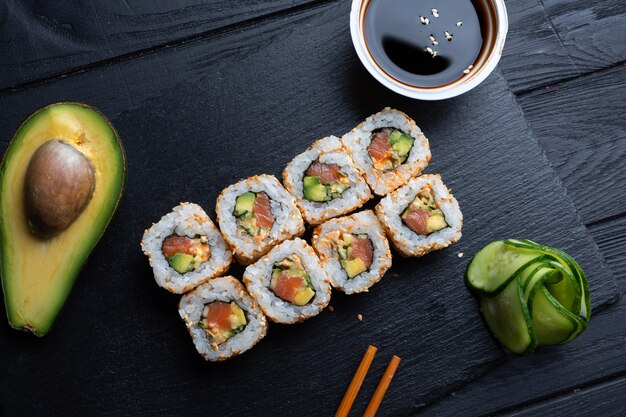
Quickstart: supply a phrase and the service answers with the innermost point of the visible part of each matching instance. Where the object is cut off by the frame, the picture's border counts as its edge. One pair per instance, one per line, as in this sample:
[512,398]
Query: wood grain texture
[592,31]
[51,38]
[598,358]
[596,355]
[582,127]
[533,53]
[201,115]
[610,236]
[605,399]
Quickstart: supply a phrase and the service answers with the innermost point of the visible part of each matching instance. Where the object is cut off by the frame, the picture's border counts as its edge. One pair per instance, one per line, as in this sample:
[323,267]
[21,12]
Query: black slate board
[198,117]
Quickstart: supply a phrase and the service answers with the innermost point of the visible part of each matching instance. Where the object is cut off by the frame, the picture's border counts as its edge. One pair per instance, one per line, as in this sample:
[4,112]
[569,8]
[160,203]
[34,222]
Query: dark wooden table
[564,62]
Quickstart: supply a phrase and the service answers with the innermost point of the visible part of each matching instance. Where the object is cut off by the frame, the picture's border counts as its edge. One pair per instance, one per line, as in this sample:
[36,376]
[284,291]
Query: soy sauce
[425,43]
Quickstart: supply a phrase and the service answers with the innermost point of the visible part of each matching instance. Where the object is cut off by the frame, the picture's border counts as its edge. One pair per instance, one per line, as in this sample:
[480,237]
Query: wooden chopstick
[381,389]
[355,385]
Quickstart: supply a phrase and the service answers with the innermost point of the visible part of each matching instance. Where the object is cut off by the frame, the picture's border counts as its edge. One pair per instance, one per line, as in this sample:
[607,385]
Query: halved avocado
[39,269]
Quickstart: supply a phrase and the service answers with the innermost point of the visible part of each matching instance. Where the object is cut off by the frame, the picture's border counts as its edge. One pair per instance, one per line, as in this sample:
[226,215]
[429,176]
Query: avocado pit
[59,184]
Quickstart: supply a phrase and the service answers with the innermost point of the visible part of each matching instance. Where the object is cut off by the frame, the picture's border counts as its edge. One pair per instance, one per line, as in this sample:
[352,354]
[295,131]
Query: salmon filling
[355,252]
[324,182]
[423,215]
[253,213]
[221,321]
[186,254]
[389,148]
[290,281]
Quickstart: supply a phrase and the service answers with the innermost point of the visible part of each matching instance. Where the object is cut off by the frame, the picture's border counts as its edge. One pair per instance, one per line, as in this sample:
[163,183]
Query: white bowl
[460,86]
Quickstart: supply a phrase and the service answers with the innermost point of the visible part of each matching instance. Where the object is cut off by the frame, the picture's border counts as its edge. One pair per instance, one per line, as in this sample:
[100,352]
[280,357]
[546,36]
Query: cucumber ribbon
[529,294]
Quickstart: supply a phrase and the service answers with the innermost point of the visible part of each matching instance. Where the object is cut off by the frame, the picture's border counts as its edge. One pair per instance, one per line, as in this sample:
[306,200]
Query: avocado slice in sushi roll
[324,182]
[423,215]
[289,283]
[222,319]
[254,213]
[354,251]
[185,249]
[389,148]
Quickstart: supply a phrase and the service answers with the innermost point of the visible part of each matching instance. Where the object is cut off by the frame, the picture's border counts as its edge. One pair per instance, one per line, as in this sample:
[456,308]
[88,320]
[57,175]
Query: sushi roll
[255,214]
[222,319]
[325,182]
[354,251]
[421,216]
[389,148]
[289,282]
[185,249]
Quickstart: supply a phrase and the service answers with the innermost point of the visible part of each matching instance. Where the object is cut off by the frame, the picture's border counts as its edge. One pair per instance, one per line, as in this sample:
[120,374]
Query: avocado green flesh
[292,266]
[181,262]
[248,223]
[425,201]
[401,144]
[244,203]
[237,320]
[244,206]
[353,267]
[38,274]
[314,190]
[436,222]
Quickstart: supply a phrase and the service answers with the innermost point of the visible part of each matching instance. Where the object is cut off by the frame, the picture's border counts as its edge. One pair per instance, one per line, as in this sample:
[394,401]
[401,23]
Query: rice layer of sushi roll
[255,214]
[421,217]
[185,249]
[389,148]
[222,319]
[354,251]
[289,282]
[325,181]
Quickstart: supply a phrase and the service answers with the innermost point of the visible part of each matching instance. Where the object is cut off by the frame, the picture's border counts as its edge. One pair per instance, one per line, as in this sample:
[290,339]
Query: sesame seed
[432,39]
[460,254]
[434,12]
[448,35]
[360,317]
[424,20]
[466,71]
[459,23]
[331,309]
[431,51]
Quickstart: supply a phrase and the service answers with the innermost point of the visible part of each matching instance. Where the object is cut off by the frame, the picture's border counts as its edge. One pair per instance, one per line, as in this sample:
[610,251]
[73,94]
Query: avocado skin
[41,325]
